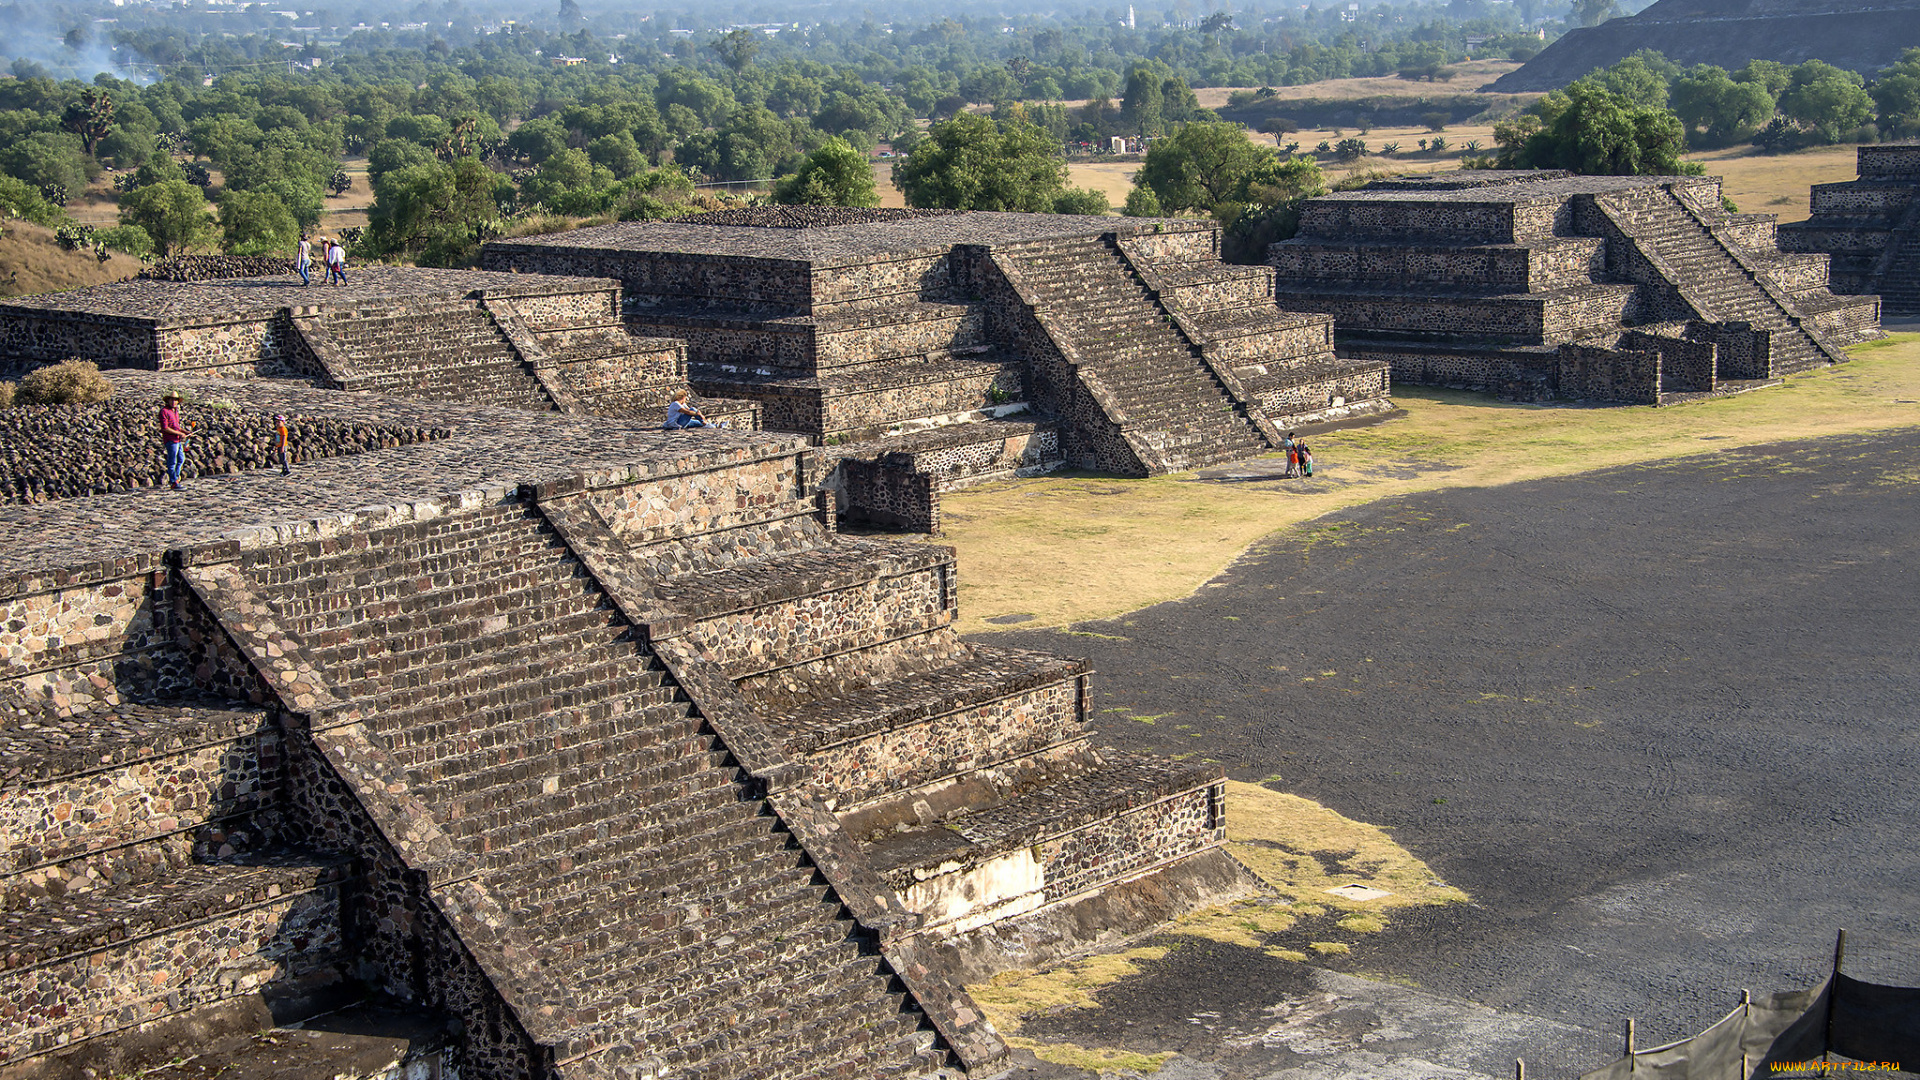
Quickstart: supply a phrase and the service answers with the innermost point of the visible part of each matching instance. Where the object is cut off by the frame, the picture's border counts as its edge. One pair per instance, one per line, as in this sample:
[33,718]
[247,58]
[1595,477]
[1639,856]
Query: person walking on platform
[336,262]
[303,260]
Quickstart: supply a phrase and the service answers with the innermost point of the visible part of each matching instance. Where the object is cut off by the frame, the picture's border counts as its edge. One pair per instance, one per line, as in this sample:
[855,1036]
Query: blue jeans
[176,460]
[686,422]
[301,268]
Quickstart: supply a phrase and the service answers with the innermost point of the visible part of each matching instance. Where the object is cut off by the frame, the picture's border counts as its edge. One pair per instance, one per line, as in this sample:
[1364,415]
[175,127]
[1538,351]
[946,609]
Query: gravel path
[1658,721]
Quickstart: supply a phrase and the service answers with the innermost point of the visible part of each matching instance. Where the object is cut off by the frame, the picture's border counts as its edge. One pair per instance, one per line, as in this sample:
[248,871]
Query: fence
[1868,1026]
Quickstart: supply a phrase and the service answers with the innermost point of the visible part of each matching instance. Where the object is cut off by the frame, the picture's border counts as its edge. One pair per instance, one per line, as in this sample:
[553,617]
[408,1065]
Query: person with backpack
[336,262]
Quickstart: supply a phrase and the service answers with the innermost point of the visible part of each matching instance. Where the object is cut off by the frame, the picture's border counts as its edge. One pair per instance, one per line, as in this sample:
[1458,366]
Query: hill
[32,262]
[1852,35]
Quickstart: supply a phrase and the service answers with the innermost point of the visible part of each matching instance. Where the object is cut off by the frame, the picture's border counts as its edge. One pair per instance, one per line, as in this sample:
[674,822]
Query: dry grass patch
[1290,842]
[1285,840]
[1068,548]
[1010,997]
[1776,183]
[32,262]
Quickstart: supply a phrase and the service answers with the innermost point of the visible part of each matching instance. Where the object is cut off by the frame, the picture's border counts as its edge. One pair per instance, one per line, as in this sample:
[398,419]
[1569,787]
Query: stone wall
[945,745]
[263,344]
[1900,160]
[653,279]
[74,640]
[1687,365]
[1121,846]
[888,495]
[645,512]
[1290,401]
[744,641]
[1516,374]
[558,309]
[35,338]
[809,345]
[1492,222]
[1620,375]
[186,786]
[288,929]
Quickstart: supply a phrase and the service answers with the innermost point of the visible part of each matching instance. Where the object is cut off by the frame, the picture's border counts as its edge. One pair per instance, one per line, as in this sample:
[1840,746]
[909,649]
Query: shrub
[75,382]
[1350,149]
[131,239]
[1437,143]
[1434,121]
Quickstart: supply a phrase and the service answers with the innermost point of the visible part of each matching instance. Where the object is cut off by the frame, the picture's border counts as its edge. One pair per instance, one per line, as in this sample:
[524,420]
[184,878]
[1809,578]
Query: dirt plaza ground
[1655,721]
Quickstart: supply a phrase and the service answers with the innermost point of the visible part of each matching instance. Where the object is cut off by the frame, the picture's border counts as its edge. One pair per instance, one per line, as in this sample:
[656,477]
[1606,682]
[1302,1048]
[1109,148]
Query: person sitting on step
[682,415]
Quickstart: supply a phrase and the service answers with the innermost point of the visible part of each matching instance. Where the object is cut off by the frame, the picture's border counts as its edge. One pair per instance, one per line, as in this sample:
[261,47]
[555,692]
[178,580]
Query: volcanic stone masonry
[1542,284]
[547,747]
[548,344]
[1870,227]
[928,350]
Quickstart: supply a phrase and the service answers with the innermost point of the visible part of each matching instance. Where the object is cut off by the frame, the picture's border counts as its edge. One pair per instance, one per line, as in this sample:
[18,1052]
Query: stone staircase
[1709,278]
[948,761]
[1169,403]
[676,924]
[1898,284]
[149,887]
[434,350]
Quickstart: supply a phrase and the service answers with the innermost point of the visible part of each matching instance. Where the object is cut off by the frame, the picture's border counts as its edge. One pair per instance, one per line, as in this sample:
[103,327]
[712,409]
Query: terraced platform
[1542,284]
[572,736]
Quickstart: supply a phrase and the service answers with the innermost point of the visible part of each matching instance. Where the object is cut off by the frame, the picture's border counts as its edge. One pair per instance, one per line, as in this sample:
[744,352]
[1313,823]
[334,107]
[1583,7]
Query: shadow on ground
[1657,721]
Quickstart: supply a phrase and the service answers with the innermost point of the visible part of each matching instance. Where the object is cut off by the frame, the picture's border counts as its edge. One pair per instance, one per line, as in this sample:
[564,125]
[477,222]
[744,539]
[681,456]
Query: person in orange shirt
[282,445]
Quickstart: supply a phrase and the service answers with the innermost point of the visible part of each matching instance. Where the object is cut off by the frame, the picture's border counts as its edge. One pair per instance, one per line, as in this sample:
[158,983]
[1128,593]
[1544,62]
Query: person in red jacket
[173,438]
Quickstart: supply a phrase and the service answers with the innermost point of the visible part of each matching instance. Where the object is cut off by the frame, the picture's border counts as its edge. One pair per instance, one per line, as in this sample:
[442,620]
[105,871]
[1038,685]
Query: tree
[1200,165]
[1825,100]
[1771,74]
[1896,94]
[736,49]
[972,163]
[256,223]
[1591,130]
[1081,201]
[834,175]
[1640,79]
[51,161]
[173,212]
[1706,99]
[441,211]
[619,153]
[566,183]
[1594,12]
[91,118]
[19,199]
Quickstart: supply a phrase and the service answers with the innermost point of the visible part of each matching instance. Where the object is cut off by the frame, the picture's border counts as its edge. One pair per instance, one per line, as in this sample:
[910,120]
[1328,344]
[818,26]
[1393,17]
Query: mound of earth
[32,262]
[1853,34]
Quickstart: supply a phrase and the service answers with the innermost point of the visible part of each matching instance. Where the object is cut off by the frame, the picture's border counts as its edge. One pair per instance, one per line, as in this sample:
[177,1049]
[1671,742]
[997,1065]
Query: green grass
[1066,548]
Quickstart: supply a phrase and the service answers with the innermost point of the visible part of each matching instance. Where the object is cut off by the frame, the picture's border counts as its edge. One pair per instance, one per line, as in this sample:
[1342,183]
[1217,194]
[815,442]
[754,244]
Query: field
[1062,549]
